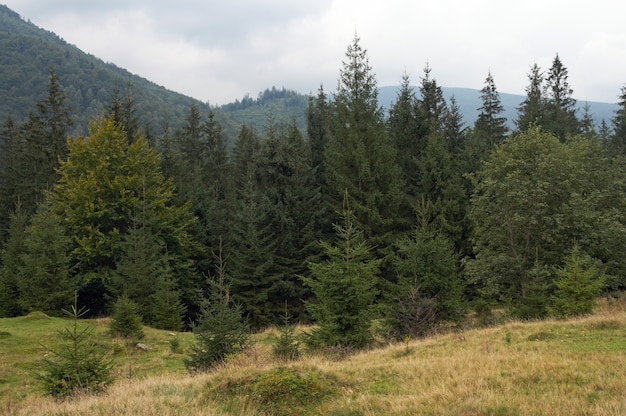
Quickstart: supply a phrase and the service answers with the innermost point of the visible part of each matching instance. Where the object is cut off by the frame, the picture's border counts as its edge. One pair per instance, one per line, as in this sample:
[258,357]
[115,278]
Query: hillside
[532,368]
[28,53]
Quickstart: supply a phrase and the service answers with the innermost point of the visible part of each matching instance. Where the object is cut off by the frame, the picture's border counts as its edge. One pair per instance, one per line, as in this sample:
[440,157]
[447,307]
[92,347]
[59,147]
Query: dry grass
[569,368]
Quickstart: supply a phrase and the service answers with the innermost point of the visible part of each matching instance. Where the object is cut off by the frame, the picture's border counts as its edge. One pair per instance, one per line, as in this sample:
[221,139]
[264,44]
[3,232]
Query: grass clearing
[573,367]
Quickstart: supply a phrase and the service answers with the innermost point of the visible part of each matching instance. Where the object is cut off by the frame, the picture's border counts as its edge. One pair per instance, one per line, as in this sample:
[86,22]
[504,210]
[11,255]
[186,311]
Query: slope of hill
[552,367]
[27,54]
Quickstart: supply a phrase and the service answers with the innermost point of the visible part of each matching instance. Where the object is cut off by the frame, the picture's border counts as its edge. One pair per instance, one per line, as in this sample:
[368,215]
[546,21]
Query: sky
[219,51]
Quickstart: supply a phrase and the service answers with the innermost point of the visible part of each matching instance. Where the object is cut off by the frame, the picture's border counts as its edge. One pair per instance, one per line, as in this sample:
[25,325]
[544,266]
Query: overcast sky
[218,51]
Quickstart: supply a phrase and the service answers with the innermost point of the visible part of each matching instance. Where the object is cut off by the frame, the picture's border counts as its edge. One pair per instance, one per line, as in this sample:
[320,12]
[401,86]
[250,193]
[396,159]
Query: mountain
[27,53]
[469,102]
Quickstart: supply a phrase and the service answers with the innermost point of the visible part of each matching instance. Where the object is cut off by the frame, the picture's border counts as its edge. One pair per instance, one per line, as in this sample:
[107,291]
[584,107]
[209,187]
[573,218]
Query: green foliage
[578,285]
[343,284]
[79,366]
[11,261]
[281,390]
[45,280]
[108,188]
[490,124]
[532,199]
[221,330]
[430,289]
[125,321]
[360,156]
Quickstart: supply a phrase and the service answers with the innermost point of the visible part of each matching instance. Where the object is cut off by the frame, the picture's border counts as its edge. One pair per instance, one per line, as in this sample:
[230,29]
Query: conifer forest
[411,216]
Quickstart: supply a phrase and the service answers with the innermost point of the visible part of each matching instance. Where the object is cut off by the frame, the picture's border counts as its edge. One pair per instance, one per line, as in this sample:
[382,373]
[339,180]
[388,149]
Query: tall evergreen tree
[560,115]
[618,138]
[407,131]
[360,155]
[252,242]
[490,124]
[45,279]
[11,265]
[531,111]
[11,172]
[431,104]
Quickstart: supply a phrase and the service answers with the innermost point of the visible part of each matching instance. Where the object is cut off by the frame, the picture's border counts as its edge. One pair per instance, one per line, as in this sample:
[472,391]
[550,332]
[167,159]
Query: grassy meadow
[573,367]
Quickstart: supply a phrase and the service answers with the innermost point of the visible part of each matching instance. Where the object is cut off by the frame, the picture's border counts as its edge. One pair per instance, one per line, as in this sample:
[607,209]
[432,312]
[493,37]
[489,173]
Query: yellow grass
[575,367]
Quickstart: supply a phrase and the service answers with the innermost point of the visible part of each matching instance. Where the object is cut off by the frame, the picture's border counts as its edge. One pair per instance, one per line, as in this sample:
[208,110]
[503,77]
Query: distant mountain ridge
[27,53]
[469,103]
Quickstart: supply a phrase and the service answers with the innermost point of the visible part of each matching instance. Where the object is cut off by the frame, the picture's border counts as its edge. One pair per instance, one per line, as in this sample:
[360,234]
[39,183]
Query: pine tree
[344,288]
[489,123]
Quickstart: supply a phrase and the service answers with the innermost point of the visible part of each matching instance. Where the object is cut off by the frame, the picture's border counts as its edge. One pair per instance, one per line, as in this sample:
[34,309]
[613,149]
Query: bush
[77,366]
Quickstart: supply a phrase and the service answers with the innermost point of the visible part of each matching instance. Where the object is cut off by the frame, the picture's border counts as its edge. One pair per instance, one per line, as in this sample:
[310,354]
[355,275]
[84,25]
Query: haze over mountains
[29,52]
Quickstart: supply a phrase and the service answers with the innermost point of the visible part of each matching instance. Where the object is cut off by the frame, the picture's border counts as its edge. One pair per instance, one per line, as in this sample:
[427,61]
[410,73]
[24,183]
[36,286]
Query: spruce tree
[430,289]
[578,285]
[431,104]
[532,110]
[45,281]
[344,285]
[11,256]
[618,137]
[222,330]
[360,156]
[490,124]
[560,115]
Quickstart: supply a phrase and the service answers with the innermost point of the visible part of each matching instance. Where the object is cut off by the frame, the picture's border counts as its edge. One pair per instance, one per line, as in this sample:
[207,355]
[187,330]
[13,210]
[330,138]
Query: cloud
[219,51]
